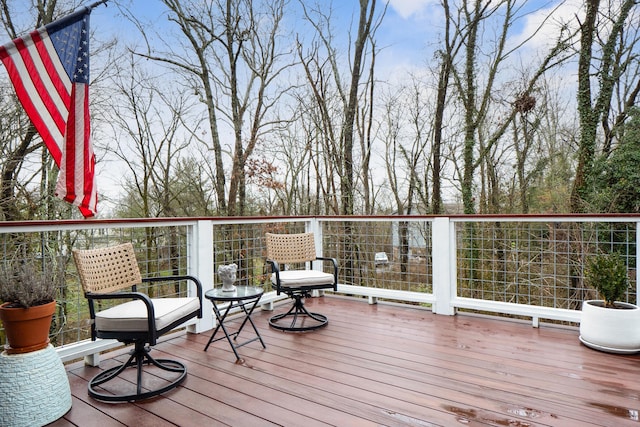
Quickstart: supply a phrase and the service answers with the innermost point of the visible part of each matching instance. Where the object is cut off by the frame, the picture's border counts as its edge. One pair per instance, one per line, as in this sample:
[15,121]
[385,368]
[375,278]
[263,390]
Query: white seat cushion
[132,315]
[299,278]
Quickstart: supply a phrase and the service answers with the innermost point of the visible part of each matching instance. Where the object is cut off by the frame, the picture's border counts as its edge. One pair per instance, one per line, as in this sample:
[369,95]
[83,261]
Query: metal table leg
[221,317]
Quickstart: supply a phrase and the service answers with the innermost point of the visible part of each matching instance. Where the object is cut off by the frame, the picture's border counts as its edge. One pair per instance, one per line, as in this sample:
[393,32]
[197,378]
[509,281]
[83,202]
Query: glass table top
[240,293]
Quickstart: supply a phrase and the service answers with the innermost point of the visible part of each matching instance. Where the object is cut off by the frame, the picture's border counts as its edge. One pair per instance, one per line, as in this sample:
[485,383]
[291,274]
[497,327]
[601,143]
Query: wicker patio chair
[291,257]
[112,273]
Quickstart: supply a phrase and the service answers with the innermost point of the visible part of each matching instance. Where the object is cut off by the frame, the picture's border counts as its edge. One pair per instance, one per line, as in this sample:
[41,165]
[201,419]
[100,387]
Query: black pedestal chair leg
[298,318]
[139,357]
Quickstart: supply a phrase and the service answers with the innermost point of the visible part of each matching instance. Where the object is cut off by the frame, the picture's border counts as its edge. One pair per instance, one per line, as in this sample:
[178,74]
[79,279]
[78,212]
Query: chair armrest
[275,268]
[175,278]
[121,295]
[335,270]
[151,314]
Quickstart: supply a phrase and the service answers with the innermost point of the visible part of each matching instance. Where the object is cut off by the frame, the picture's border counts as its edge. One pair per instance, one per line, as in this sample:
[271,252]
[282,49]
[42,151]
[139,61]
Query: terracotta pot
[27,329]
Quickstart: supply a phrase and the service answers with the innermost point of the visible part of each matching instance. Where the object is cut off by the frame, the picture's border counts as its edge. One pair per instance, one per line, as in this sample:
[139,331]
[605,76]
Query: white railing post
[443,254]
[200,265]
[637,263]
[314,227]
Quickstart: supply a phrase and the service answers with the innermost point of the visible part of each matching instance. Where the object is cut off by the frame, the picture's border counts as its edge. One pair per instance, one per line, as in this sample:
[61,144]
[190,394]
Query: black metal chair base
[298,318]
[139,357]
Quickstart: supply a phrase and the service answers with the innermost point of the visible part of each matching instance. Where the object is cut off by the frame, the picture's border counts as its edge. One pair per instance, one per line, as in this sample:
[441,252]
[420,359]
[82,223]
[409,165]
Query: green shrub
[607,273]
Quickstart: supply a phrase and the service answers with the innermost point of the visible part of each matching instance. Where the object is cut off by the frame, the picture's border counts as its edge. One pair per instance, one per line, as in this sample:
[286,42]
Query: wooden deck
[383,365]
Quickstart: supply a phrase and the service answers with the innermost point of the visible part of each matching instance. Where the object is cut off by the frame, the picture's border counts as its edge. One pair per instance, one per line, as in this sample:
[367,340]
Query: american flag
[49,69]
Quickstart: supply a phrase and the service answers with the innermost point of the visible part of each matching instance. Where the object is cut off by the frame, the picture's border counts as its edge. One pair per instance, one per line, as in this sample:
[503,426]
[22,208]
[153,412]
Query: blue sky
[409,31]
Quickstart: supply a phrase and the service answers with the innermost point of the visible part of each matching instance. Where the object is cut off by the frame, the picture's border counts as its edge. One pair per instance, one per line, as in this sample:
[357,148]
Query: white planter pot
[609,329]
[34,390]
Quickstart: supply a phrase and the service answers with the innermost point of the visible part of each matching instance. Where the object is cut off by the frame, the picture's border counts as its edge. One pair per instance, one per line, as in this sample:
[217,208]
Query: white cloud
[407,8]
[544,30]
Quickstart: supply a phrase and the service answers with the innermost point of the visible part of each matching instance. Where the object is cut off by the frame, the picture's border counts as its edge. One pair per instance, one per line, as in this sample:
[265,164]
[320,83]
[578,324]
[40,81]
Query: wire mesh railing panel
[160,251]
[537,263]
[243,244]
[381,254]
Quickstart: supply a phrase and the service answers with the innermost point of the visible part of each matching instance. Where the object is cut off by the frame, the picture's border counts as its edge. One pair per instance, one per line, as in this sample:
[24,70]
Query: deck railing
[525,266]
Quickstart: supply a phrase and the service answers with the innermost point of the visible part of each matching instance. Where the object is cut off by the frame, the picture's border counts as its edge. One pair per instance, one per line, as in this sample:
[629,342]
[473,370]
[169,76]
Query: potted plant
[609,324]
[28,295]
[35,387]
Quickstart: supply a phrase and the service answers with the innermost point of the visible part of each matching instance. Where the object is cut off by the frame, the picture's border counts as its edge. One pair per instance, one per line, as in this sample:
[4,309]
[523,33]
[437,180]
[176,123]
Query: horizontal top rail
[95,222]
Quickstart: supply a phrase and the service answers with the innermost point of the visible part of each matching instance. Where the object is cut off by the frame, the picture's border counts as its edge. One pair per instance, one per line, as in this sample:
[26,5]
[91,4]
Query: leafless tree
[19,140]
[405,132]
[322,67]
[233,57]
[147,120]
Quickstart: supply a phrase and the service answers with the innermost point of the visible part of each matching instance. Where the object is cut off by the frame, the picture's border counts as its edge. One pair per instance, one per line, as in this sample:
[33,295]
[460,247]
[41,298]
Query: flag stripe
[42,85]
[78,159]
[36,119]
[89,161]
[25,78]
[55,71]
[30,62]
[74,137]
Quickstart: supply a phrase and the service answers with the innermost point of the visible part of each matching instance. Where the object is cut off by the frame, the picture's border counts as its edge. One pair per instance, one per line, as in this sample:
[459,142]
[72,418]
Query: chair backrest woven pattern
[108,269]
[290,248]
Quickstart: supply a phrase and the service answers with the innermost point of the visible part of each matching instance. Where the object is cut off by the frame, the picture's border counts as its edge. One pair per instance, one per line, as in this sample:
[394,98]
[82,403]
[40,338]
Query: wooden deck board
[382,364]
